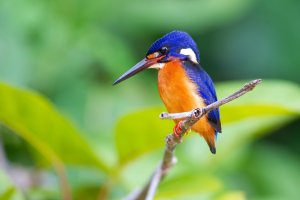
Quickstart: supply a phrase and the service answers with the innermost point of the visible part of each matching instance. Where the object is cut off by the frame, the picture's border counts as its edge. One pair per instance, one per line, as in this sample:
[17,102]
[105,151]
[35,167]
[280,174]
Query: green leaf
[34,118]
[232,195]
[9,194]
[190,186]
[140,132]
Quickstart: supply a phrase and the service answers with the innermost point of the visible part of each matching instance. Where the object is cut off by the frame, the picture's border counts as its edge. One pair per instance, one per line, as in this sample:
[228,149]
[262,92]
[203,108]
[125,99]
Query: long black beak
[140,66]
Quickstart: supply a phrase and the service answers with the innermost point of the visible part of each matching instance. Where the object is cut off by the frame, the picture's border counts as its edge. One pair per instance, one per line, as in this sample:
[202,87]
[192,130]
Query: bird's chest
[176,89]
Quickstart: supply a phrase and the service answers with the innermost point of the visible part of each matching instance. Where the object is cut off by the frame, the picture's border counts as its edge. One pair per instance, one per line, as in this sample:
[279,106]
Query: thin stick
[247,87]
[172,140]
[64,184]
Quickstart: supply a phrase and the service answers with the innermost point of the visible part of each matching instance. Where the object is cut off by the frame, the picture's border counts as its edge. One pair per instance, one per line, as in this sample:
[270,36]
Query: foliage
[34,118]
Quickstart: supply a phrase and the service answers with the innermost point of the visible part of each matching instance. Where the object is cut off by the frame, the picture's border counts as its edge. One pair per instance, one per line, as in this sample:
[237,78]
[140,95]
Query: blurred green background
[65,131]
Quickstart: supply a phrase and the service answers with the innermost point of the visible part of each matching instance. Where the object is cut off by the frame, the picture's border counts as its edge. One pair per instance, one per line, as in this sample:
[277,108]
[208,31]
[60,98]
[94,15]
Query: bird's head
[176,45]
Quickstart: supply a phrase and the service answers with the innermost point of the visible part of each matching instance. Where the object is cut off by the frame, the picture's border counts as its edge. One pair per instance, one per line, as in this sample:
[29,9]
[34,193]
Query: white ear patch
[189,52]
[157,66]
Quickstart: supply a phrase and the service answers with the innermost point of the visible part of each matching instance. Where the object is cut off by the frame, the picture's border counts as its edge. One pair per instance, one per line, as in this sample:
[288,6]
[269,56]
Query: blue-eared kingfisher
[182,83]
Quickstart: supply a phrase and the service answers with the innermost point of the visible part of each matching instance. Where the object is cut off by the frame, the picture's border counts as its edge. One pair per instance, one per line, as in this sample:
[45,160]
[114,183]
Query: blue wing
[206,90]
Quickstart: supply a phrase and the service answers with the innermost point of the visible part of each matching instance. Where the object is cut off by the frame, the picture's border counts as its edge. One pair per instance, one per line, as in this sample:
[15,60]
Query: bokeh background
[66,132]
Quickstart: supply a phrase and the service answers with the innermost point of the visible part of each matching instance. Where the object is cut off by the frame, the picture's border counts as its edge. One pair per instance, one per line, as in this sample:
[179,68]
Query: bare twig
[64,184]
[190,118]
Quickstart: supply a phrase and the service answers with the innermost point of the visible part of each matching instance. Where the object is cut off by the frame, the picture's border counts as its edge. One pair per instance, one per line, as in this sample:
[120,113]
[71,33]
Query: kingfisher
[183,84]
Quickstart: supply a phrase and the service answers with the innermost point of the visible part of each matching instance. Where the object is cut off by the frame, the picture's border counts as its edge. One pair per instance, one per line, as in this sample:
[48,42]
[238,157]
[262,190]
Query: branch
[247,87]
[173,139]
[63,180]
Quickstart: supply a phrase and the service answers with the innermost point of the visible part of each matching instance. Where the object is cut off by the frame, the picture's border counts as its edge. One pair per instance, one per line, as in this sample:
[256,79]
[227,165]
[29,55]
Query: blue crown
[175,41]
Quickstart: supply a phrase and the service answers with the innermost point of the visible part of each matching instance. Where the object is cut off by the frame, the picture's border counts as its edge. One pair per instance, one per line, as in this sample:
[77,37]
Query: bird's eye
[164,50]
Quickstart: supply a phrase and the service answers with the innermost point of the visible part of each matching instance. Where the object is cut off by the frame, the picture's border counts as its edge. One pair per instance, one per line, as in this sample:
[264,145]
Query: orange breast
[179,94]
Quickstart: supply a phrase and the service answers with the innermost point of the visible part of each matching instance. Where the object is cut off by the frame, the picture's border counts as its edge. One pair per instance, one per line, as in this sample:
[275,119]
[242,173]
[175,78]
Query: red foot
[177,130]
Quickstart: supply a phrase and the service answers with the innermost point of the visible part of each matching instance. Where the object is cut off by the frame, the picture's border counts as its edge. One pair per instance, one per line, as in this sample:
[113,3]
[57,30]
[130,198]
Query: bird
[183,84]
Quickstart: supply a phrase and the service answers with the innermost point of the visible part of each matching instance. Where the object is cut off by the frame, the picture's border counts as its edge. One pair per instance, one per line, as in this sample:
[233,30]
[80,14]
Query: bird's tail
[211,143]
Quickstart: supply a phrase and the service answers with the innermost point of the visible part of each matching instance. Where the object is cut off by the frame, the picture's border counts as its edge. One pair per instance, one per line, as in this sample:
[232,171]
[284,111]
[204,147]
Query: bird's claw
[177,130]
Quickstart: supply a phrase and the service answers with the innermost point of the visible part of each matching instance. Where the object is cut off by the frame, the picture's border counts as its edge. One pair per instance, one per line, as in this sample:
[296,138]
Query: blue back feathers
[206,89]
